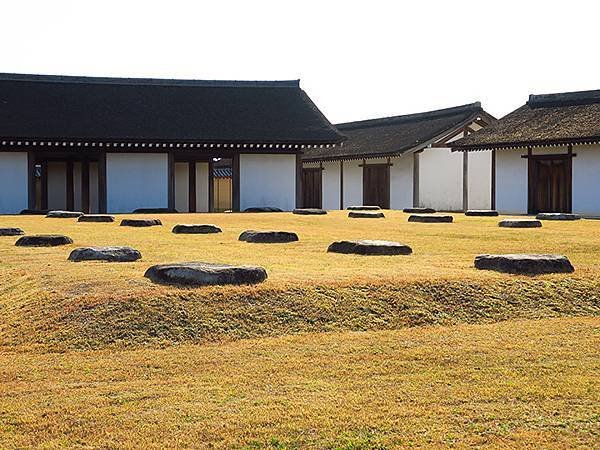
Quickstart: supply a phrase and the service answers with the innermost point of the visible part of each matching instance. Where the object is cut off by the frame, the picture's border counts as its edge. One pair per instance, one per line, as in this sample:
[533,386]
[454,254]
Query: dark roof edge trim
[525,144]
[564,99]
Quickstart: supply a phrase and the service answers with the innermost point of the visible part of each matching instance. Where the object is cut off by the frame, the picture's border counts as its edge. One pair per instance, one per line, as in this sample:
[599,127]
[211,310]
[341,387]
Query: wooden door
[311,188]
[376,185]
[549,184]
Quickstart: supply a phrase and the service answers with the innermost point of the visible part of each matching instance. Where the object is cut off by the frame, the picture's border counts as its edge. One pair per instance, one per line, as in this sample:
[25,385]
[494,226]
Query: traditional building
[546,154]
[403,161]
[116,145]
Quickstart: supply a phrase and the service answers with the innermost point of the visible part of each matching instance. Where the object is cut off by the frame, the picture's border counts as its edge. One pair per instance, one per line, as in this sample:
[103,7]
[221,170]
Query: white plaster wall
[202,187]
[331,185]
[268,180]
[182,194]
[57,185]
[13,182]
[511,182]
[440,179]
[401,182]
[353,183]
[136,180]
[586,180]
[480,180]
[94,187]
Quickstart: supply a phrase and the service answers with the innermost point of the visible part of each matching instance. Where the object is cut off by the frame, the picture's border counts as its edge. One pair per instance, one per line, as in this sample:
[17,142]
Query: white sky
[357,60]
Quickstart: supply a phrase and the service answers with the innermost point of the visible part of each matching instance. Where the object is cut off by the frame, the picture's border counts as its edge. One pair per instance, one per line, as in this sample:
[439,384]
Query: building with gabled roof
[119,144]
[401,161]
[546,154]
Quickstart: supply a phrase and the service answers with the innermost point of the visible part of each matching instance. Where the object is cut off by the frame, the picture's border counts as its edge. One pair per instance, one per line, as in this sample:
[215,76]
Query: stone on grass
[140,222]
[110,254]
[481,213]
[524,264]
[34,212]
[363,208]
[557,216]
[205,274]
[430,218]
[520,223]
[309,211]
[419,210]
[268,237]
[262,209]
[96,218]
[366,214]
[370,247]
[154,211]
[64,214]
[11,232]
[43,240]
[183,228]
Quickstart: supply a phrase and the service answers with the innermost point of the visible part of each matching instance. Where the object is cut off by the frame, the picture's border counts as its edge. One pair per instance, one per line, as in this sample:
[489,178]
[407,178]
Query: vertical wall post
[211,186]
[44,183]
[235,182]
[70,187]
[416,179]
[342,184]
[85,186]
[30,180]
[299,180]
[493,202]
[171,181]
[102,184]
[192,186]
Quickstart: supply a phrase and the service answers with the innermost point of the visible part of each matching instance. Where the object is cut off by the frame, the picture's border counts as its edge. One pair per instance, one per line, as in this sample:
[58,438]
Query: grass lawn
[332,351]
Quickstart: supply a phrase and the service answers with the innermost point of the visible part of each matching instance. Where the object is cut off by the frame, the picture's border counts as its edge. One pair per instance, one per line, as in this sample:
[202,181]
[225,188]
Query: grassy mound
[158,316]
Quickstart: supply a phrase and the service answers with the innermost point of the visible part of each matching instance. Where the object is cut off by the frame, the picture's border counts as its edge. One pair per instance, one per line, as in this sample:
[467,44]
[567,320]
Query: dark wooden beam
[235,182]
[85,186]
[493,186]
[416,178]
[192,186]
[102,187]
[170,181]
[550,156]
[70,187]
[299,180]
[342,184]
[30,180]
[211,186]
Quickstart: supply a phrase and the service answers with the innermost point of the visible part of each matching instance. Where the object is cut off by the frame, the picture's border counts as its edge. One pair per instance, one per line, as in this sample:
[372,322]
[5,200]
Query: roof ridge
[564,98]
[147,81]
[390,120]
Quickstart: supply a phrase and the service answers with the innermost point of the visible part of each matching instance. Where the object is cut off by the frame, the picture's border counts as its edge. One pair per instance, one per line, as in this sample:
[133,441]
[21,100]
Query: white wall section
[13,182]
[511,182]
[136,180]
[57,185]
[268,180]
[440,179]
[401,182]
[353,183]
[182,193]
[586,180]
[202,187]
[480,180]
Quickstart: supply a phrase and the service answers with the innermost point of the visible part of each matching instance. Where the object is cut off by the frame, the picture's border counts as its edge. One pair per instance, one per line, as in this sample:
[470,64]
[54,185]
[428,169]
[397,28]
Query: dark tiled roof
[86,108]
[395,135]
[548,119]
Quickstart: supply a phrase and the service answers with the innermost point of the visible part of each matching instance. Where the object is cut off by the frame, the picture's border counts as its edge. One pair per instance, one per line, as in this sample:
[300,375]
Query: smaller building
[546,155]
[402,161]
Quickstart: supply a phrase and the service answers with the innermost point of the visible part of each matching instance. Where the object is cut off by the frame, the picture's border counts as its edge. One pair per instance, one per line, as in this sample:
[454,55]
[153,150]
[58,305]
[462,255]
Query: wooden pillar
[342,184]
[44,183]
[416,179]
[30,180]
[211,186]
[235,182]
[192,187]
[102,185]
[70,187]
[493,202]
[299,180]
[171,181]
[85,186]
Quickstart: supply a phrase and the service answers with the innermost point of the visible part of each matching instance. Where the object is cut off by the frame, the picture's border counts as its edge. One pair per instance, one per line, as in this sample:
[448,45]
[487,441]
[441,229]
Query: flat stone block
[109,254]
[34,212]
[195,229]
[363,208]
[366,214]
[268,237]
[557,216]
[369,247]
[64,214]
[197,274]
[11,232]
[140,222]
[524,264]
[96,218]
[520,223]
[154,211]
[419,210]
[262,209]
[482,213]
[43,240]
[309,211]
[430,218]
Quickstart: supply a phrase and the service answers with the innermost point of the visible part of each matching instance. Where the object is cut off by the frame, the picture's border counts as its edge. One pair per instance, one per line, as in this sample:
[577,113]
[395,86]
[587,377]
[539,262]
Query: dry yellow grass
[512,384]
